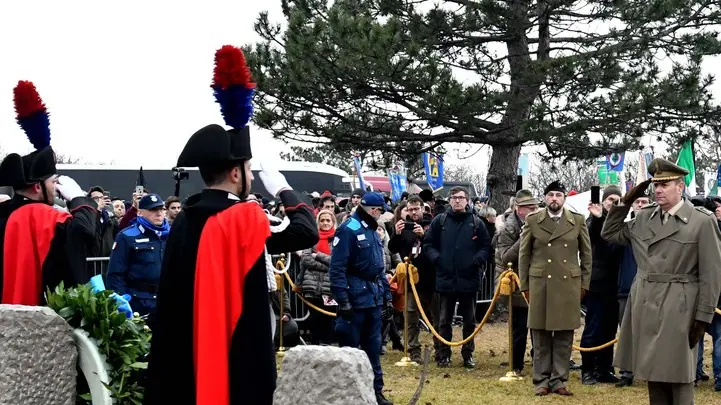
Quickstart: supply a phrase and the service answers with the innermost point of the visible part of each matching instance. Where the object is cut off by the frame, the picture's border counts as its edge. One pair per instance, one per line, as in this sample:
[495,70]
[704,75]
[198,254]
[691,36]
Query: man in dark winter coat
[626,273]
[602,298]
[457,243]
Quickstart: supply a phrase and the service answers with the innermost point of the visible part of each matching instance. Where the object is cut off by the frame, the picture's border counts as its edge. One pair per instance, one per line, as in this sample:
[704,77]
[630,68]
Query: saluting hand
[636,192]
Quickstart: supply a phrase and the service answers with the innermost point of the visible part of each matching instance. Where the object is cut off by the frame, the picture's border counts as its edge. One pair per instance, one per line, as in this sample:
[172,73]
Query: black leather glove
[387,311]
[636,192]
[698,328]
[345,311]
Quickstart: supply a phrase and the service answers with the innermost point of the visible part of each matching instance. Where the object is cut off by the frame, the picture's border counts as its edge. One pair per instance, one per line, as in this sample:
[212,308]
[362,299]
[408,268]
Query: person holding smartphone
[407,242]
[601,301]
[132,212]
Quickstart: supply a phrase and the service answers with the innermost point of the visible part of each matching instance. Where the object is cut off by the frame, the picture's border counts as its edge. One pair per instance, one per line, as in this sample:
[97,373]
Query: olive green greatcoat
[678,280]
[554,265]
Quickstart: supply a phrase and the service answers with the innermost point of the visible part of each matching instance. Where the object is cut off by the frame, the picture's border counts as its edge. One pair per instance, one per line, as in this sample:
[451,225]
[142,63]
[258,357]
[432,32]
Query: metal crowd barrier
[99,265]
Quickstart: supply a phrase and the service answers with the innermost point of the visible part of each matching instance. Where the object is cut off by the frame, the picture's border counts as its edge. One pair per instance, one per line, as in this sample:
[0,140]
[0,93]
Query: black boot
[589,378]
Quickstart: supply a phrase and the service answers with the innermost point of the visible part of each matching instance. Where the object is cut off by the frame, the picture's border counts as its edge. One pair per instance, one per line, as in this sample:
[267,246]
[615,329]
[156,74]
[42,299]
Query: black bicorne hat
[23,171]
[233,88]
[213,146]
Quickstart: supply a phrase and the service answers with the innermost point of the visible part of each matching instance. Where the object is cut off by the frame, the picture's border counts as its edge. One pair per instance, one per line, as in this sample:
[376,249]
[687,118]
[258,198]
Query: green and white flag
[686,160]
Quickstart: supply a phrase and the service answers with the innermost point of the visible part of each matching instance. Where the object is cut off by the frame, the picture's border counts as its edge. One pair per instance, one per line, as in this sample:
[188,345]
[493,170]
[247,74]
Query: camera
[180,174]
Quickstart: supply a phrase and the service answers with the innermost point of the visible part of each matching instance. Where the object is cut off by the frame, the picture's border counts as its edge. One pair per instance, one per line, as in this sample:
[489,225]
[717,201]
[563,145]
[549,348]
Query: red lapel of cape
[28,234]
[230,244]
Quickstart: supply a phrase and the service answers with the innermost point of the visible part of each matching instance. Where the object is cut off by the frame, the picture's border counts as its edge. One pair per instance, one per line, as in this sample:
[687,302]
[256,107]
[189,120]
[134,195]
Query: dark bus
[121,181]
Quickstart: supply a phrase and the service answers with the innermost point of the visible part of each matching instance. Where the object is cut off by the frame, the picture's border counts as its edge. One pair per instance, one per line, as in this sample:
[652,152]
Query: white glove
[272,179]
[68,188]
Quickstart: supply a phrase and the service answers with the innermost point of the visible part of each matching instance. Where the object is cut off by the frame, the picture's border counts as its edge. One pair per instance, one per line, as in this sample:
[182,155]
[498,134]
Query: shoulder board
[352,224]
[704,210]
[533,214]
[131,231]
[649,206]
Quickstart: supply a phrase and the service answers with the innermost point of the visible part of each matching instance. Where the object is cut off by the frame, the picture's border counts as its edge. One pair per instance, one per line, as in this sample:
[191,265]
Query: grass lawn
[457,386]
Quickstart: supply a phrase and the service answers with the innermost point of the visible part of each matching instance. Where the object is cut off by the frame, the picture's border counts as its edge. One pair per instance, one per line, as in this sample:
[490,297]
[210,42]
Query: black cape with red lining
[214,291]
[41,247]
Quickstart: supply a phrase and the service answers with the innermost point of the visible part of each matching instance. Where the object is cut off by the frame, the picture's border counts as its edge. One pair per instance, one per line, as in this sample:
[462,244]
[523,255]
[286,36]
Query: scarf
[323,245]
[162,230]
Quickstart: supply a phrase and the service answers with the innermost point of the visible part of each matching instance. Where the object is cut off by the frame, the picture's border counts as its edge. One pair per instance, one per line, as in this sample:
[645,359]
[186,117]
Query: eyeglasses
[413,209]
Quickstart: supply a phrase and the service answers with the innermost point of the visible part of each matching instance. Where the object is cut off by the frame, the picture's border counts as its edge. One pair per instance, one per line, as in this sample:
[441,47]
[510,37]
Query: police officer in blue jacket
[359,285]
[137,255]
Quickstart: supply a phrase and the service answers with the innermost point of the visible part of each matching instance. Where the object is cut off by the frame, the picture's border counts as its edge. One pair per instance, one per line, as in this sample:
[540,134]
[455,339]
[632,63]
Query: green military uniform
[551,272]
[678,282]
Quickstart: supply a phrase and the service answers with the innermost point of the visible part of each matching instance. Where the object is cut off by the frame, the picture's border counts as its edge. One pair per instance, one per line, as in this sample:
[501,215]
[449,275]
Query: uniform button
[549,276]
[564,261]
[565,245]
[549,260]
[549,244]
[565,277]
[154,297]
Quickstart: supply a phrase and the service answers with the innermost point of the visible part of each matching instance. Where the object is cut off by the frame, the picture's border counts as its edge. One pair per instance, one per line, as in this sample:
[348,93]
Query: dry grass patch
[457,386]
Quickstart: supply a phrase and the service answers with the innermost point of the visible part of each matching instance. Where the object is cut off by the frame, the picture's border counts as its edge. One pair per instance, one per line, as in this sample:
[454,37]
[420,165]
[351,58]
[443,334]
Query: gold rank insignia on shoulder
[704,210]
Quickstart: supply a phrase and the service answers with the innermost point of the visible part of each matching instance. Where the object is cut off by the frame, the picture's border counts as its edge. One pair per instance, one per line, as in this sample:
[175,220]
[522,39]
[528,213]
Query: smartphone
[139,189]
[409,226]
[595,194]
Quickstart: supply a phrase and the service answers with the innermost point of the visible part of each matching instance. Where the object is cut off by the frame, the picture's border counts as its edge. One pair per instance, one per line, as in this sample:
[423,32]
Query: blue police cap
[150,201]
[374,200]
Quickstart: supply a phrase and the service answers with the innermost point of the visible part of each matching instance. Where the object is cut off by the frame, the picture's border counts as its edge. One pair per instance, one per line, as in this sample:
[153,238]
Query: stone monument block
[325,375]
[38,357]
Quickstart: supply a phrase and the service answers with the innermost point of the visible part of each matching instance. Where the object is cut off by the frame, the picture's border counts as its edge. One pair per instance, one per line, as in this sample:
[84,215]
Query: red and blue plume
[32,114]
[233,86]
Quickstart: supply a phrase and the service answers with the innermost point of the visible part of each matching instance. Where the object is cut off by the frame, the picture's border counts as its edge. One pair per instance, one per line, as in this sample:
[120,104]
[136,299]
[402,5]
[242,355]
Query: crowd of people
[201,270]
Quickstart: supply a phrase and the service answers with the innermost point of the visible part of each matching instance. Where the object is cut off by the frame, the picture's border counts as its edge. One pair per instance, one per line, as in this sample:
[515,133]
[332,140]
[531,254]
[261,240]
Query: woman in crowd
[315,280]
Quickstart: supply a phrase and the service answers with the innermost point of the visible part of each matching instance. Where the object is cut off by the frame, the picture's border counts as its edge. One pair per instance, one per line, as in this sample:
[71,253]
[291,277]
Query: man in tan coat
[554,281]
[677,286]
[508,244]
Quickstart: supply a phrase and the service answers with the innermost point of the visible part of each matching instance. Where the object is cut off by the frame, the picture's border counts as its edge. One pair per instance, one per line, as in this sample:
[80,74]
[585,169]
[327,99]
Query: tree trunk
[502,175]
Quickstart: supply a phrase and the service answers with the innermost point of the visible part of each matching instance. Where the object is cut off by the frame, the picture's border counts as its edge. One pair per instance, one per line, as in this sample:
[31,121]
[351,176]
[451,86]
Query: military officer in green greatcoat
[554,265]
[677,286]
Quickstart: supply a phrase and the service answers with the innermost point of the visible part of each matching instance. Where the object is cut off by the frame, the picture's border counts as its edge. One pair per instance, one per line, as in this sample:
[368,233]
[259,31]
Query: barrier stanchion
[406,360]
[281,285]
[508,286]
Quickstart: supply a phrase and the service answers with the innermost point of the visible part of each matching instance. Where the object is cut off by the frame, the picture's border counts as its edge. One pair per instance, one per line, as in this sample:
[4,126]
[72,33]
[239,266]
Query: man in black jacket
[407,242]
[457,243]
[601,300]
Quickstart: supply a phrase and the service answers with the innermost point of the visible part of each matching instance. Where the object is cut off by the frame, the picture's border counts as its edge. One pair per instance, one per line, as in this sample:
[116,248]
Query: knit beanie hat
[611,190]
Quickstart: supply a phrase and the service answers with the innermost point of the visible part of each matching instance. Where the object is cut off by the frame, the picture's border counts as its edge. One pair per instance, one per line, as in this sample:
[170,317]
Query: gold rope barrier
[475,332]
[517,281]
[305,301]
[506,274]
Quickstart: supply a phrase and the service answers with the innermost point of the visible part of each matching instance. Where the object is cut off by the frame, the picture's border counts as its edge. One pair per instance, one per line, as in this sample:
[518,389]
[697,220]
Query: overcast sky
[125,82]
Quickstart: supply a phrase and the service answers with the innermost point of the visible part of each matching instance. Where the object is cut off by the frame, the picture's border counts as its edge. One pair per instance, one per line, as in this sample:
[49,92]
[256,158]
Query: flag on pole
[686,160]
[615,161]
[358,171]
